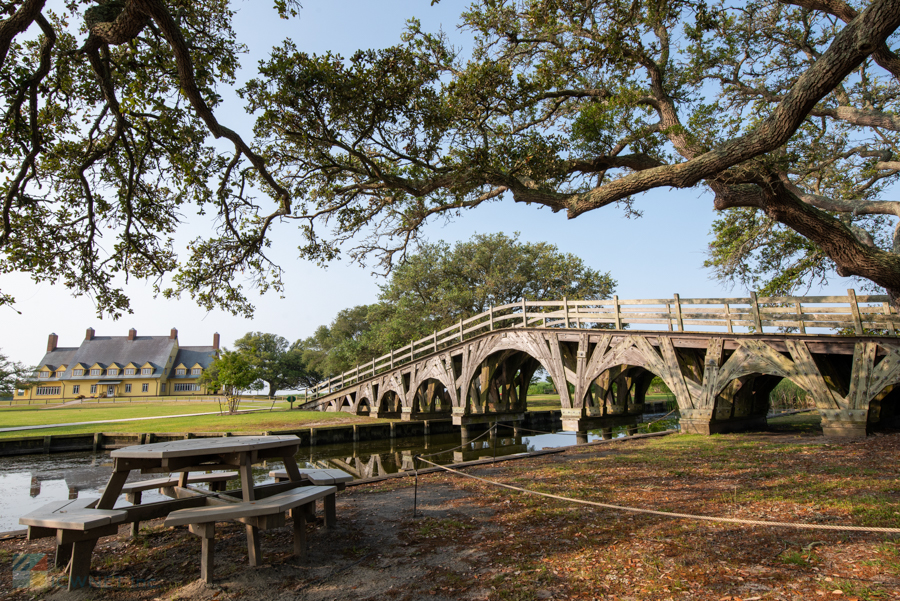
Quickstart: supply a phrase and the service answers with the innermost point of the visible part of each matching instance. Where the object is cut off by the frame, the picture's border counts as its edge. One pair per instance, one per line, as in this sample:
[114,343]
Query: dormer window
[60,373]
[146,371]
[45,374]
[180,372]
[112,372]
[77,372]
[95,372]
[129,371]
[196,371]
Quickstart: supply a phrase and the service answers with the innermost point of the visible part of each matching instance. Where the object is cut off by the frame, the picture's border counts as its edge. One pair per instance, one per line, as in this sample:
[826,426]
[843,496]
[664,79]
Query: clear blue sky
[651,257]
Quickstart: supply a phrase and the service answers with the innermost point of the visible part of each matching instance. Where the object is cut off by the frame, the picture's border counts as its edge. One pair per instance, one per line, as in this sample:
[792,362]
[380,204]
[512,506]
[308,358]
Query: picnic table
[181,457]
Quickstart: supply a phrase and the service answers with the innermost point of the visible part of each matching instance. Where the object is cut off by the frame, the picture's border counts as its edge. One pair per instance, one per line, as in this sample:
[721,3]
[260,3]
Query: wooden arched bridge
[721,357]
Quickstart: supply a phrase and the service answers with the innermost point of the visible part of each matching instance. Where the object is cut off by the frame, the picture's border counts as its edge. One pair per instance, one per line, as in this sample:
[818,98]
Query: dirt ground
[472,540]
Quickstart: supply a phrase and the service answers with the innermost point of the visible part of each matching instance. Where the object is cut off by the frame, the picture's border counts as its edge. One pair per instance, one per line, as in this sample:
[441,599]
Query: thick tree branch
[18,23]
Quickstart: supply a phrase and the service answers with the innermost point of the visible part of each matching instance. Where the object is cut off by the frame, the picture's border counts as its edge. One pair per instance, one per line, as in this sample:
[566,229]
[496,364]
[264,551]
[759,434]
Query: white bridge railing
[799,314]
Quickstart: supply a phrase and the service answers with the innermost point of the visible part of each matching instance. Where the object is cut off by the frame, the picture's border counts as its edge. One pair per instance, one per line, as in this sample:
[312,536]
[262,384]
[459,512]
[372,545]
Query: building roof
[105,350]
[192,355]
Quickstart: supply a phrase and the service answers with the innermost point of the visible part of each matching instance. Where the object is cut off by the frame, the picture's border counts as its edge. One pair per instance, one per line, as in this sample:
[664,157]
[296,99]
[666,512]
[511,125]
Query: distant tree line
[441,284]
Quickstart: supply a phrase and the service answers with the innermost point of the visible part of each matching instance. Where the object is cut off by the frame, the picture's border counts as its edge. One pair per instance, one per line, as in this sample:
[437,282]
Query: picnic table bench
[77,525]
[262,514]
[319,477]
[133,490]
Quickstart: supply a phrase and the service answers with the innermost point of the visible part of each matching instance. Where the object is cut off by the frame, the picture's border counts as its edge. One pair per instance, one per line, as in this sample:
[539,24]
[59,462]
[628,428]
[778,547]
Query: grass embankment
[257,421]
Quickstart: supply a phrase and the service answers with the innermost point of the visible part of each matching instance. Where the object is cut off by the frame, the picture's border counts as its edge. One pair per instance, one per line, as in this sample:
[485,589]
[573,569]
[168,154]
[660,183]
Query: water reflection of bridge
[77,479]
[721,373]
[373,464]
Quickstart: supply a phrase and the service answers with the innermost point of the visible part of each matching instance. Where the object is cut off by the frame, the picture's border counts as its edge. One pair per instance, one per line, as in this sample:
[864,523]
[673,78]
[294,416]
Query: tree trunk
[272,389]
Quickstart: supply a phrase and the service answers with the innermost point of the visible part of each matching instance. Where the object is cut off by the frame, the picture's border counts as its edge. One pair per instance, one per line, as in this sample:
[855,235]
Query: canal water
[30,481]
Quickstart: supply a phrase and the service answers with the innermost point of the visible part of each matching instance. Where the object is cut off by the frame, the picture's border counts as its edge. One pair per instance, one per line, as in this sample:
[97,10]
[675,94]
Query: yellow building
[121,366]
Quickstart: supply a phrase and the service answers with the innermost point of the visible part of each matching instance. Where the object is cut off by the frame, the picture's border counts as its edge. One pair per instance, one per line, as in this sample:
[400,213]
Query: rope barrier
[486,432]
[688,516]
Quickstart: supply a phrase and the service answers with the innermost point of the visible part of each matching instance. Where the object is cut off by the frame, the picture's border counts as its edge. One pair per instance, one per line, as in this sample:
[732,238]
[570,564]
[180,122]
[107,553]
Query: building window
[162,388]
[45,374]
[145,387]
[128,388]
[21,393]
[112,372]
[46,390]
[129,371]
[95,372]
[76,388]
[93,389]
[146,371]
[77,372]
[196,371]
[180,372]
[186,387]
[60,373]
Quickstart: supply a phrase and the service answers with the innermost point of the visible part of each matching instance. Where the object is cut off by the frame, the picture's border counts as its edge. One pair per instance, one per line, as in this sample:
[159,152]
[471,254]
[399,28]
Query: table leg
[63,555]
[253,551]
[298,514]
[80,566]
[113,490]
[207,534]
[290,465]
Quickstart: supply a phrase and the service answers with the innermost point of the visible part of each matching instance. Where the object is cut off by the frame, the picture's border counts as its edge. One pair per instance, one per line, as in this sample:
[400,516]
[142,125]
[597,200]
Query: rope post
[416,489]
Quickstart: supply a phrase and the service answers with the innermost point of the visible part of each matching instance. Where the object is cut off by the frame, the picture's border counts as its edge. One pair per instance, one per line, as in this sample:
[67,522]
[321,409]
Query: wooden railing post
[854,308]
[435,340]
[886,309]
[669,315]
[525,313]
[491,316]
[754,309]
[678,317]
[460,330]
[618,316]
[801,325]
[392,358]
[565,311]
[728,319]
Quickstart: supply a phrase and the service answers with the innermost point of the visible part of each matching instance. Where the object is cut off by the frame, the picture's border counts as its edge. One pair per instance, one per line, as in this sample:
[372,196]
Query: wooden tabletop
[204,446]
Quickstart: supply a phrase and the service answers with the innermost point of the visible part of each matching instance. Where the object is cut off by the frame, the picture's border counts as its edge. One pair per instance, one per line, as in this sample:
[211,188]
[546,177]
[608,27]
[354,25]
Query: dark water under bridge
[715,355]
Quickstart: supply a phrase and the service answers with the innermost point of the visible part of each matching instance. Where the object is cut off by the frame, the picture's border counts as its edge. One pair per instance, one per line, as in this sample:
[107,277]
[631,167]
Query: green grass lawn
[255,422]
[33,416]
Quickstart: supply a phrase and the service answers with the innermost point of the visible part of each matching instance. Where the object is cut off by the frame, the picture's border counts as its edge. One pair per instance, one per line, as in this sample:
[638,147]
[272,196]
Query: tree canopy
[231,372]
[785,110]
[13,375]
[440,284]
[276,362]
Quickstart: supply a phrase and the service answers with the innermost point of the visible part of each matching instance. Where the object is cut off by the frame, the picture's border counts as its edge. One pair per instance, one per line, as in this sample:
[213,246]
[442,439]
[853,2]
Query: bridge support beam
[577,420]
[844,423]
[700,421]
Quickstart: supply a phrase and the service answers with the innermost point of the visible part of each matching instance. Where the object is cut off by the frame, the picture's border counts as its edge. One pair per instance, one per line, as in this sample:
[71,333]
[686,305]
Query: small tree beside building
[232,373]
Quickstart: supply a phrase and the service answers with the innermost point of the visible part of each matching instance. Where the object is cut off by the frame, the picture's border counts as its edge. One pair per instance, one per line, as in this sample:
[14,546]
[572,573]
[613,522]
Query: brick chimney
[51,342]
[173,335]
[216,341]
[89,334]
[132,334]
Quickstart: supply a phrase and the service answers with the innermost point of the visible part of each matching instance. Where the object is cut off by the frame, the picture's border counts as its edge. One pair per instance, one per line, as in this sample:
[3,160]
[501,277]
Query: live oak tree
[13,375]
[439,284]
[276,362]
[786,111]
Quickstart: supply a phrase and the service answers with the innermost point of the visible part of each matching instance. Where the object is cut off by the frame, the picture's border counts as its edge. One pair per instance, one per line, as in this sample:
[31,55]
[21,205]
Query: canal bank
[310,437]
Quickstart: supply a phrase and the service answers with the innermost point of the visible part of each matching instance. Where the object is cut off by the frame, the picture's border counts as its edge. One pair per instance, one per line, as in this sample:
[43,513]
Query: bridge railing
[856,314]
